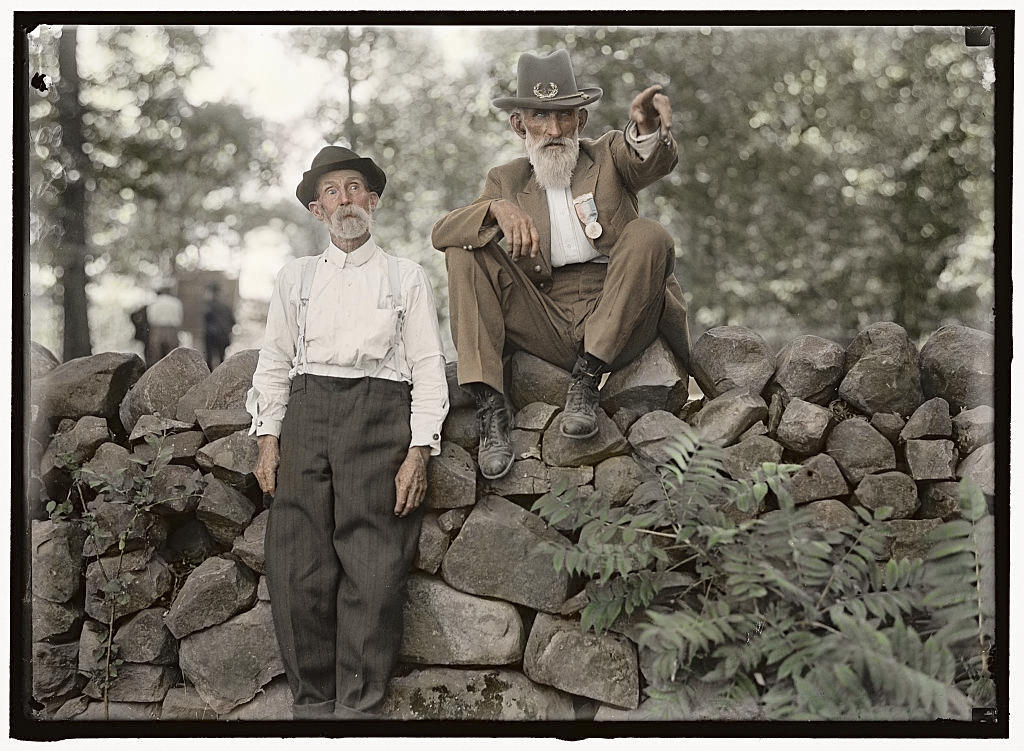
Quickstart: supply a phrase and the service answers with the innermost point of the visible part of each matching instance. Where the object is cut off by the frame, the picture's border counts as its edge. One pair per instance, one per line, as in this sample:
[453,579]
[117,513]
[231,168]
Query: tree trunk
[71,211]
[350,123]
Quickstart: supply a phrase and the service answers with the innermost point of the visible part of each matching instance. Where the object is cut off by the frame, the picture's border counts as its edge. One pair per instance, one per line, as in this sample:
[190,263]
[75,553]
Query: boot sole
[591,434]
[501,474]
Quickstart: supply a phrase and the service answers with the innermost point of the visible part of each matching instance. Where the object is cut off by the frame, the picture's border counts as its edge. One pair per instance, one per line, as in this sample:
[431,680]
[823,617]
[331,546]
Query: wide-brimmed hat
[547,83]
[331,158]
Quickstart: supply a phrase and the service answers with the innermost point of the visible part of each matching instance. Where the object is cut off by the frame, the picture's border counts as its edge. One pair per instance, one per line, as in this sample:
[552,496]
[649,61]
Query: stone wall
[491,629]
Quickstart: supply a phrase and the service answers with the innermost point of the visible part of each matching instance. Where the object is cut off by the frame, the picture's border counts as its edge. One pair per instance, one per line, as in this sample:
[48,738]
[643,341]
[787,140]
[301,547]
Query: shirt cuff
[433,440]
[265,426]
[643,144]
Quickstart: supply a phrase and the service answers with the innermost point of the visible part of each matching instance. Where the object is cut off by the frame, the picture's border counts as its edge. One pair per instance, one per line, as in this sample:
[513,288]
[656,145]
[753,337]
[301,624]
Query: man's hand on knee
[267,463]
[518,227]
[411,480]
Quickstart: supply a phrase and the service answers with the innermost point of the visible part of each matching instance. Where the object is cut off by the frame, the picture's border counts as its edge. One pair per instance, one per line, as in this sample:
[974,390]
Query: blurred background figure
[164,315]
[218,323]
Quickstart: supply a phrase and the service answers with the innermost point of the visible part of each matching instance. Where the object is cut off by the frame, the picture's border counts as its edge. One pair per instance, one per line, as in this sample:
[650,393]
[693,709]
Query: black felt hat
[331,158]
[547,83]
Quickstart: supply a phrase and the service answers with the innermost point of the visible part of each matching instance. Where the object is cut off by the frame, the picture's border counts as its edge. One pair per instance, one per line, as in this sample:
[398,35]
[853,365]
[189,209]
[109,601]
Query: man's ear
[583,119]
[314,206]
[374,200]
[515,121]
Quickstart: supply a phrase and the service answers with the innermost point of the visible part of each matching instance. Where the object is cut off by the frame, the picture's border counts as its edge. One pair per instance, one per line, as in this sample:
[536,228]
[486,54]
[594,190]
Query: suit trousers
[337,557]
[611,311]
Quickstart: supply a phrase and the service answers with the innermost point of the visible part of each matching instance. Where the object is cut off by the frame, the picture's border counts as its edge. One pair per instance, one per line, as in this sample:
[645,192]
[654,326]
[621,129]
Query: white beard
[553,167]
[350,222]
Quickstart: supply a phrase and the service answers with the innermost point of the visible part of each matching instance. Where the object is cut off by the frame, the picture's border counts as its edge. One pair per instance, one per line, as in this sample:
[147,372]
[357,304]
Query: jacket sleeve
[468,227]
[637,173]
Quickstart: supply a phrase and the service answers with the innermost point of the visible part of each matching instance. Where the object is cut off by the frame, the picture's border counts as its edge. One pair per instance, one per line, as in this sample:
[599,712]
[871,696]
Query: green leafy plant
[137,489]
[777,610]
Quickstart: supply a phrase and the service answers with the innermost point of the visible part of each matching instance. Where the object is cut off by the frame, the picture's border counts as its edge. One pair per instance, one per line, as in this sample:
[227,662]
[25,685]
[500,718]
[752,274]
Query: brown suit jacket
[607,167]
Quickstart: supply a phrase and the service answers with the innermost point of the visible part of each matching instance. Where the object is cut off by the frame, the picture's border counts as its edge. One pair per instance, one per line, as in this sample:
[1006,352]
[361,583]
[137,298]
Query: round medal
[593,230]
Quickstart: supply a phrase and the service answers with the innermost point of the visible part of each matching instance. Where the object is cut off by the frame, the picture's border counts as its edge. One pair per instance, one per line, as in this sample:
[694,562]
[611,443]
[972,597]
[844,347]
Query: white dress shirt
[569,243]
[349,329]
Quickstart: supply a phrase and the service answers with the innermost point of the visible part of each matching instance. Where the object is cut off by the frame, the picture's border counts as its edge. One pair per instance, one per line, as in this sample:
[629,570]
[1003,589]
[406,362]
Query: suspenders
[394,297]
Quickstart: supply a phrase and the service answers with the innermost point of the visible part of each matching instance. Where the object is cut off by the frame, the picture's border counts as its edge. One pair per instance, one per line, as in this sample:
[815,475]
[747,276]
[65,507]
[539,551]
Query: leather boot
[492,422]
[579,418]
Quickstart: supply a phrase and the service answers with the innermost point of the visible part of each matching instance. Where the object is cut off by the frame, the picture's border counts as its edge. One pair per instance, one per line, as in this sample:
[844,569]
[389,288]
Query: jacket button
[436,436]
[536,268]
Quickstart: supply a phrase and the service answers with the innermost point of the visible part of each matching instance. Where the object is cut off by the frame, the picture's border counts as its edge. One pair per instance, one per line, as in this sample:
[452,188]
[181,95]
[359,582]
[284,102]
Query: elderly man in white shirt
[348,399]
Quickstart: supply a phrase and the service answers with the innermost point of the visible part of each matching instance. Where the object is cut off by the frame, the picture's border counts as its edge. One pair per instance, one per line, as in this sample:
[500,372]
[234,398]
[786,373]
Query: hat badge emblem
[543,90]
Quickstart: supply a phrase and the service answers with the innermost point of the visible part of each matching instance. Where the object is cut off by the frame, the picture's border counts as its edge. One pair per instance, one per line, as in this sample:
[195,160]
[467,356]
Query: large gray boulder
[453,694]
[888,424]
[273,702]
[908,538]
[228,663]
[93,385]
[940,500]
[535,380]
[499,553]
[727,416]
[56,559]
[958,364]
[535,416]
[743,458]
[216,590]
[930,420]
[653,435]
[220,423]
[155,425]
[859,449]
[76,446]
[729,357]
[54,621]
[433,544]
[248,547]
[224,388]
[882,372]
[931,460]
[145,638]
[451,478]
[136,683]
[829,514]
[980,467]
[180,448]
[804,426]
[532,477]
[973,428]
[224,511]
[160,387]
[460,428]
[231,459]
[808,368]
[98,711]
[41,360]
[819,478]
[177,490]
[457,396]
[54,669]
[559,451]
[147,578]
[893,489]
[558,653]
[655,380]
[111,520]
[617,477]
[443,626]
[113,463]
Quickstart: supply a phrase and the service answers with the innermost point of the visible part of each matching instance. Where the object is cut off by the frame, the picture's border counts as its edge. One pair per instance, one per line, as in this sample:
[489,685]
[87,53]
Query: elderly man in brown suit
[583,282]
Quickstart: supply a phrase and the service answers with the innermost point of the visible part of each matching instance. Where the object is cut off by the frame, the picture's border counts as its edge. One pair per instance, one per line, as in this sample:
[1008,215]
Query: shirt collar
[357,257]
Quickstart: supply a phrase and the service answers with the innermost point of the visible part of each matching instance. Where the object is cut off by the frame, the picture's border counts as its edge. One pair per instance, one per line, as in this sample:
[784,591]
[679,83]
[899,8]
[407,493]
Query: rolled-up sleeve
[421,340]
[268,398]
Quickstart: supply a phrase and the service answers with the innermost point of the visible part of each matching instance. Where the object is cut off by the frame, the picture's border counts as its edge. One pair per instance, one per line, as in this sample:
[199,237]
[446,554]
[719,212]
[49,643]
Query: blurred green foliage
[828,177]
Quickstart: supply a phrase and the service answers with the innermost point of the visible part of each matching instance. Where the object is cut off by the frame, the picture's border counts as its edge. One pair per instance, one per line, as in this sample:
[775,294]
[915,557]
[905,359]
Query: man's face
[344,203]
[552,142]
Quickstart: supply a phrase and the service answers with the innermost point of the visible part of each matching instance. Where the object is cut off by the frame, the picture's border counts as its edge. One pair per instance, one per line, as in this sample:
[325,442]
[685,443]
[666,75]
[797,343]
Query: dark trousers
[337,557]
[610,310]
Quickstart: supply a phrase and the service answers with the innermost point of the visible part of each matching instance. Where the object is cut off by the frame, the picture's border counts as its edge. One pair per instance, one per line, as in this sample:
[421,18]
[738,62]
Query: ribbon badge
[543,90]
[586,210]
